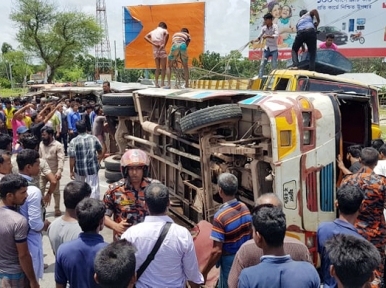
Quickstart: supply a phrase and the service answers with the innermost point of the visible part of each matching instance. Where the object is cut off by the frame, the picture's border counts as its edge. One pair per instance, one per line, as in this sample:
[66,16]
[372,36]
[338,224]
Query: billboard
[140,20]
[359,26]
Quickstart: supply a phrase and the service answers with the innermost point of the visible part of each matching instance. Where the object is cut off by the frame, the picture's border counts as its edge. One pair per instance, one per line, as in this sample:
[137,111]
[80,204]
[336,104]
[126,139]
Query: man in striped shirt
[231,228]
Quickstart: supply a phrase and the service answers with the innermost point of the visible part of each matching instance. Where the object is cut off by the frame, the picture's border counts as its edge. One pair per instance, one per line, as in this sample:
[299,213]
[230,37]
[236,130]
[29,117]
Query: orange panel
[139,53]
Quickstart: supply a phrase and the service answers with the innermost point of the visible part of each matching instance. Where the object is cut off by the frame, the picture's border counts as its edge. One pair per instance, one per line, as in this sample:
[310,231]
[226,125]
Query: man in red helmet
[124,200]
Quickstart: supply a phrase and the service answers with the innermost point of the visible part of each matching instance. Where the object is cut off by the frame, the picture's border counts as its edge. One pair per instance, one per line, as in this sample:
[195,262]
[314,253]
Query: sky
[226,26]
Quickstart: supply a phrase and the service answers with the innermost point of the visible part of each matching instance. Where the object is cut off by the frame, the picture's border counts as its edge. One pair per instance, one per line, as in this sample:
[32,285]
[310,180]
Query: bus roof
[307,73]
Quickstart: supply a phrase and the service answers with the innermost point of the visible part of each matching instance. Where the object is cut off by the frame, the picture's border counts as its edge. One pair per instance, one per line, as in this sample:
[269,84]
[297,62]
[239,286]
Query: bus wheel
[210,116]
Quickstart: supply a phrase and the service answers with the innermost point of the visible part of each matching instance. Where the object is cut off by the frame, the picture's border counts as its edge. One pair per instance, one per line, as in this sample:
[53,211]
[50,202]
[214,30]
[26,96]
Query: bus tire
[113,163]
[210,116]
[119,111]
[118,99]
[113,176]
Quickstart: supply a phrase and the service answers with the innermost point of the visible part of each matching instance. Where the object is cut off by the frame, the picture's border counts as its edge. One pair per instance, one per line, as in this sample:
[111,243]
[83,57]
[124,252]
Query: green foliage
[369,65]
[128,76]
[55,37]
[18,61]
[5,48]
[5,83]
[217,67]
[12,92]
[73,74]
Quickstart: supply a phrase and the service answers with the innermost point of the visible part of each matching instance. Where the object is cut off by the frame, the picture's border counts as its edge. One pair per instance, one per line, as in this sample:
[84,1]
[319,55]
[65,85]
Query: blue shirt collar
[277,259]
[228,203]
[345,224]
[91,236]
[26,177]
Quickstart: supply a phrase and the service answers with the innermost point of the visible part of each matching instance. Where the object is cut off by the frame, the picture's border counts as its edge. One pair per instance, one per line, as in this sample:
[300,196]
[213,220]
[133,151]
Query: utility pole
[115,61]
[103,61]
[10,74]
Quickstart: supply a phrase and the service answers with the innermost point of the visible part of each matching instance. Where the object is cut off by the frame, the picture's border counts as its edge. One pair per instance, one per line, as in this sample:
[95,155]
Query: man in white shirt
[269,32]
[175,262]
[380,169]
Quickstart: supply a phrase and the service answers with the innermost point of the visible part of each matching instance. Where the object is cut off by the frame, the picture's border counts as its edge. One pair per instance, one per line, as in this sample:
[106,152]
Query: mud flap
[203,245]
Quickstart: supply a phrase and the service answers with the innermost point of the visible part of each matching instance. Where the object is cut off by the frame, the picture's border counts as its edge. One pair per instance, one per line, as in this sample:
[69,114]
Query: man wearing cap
[269,33]
[19,119]
[125,199]
[20,131]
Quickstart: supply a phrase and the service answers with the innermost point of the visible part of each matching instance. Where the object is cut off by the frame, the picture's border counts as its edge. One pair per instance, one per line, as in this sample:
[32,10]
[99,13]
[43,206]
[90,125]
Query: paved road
[49,258]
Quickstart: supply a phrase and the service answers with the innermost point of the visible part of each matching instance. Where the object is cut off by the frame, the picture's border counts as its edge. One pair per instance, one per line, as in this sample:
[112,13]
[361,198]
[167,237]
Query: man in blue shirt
[306,33]
[275,269]
[115,265]
[348,201]
[75,259]
[72,118]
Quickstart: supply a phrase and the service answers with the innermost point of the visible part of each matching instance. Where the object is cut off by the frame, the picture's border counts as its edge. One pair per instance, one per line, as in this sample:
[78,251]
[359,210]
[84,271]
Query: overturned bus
[282,142]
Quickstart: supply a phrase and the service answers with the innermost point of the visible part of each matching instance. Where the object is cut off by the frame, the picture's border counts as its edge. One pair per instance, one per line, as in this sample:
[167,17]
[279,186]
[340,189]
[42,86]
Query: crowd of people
[56,129]
[149,249]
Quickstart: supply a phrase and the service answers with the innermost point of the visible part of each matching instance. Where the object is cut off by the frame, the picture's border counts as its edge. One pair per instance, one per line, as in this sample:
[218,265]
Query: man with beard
[52,151]
[15,258]
[125,199]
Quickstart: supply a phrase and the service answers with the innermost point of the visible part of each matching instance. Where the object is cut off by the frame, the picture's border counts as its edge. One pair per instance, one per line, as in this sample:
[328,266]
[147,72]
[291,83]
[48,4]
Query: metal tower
[103,63]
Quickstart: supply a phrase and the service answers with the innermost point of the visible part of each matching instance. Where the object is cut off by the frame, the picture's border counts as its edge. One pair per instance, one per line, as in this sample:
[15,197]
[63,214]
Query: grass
[12,92]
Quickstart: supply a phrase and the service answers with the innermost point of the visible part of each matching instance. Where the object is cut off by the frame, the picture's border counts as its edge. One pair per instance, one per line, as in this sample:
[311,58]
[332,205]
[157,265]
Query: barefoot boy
[159,38]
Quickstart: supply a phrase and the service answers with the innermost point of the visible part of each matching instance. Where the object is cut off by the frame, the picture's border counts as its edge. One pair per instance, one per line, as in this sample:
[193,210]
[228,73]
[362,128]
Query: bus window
[326,86]
[283,84]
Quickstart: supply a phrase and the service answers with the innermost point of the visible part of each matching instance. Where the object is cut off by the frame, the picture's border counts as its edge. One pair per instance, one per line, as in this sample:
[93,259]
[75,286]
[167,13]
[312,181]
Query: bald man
[249,254]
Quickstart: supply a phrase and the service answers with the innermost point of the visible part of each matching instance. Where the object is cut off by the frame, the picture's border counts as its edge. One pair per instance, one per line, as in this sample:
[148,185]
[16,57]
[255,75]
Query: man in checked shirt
[249,254]
[85,150]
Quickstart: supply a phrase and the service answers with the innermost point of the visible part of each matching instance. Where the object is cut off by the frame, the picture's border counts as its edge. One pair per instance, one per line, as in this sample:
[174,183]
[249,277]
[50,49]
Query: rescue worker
[125,199]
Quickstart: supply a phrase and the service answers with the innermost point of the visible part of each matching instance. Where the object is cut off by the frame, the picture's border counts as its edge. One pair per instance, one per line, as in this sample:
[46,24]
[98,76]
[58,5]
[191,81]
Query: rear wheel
[113,163]
[210,116]
[118,100]
[113,176]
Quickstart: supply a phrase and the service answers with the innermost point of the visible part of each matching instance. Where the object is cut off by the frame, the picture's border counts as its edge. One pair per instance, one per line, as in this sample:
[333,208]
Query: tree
[18,61]
[5,48]
[54,36]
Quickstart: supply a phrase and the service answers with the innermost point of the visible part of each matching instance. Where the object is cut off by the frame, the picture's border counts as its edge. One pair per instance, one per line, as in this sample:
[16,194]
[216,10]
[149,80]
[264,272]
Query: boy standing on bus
[159,38]
[270,33]
[179,51]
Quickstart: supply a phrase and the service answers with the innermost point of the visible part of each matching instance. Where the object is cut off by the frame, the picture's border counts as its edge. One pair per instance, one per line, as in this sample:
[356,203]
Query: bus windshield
[309,84]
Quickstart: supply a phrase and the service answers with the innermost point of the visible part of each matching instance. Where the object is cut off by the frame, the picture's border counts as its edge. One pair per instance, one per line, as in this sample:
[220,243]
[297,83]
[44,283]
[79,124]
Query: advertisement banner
[140,20]
[358,26]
